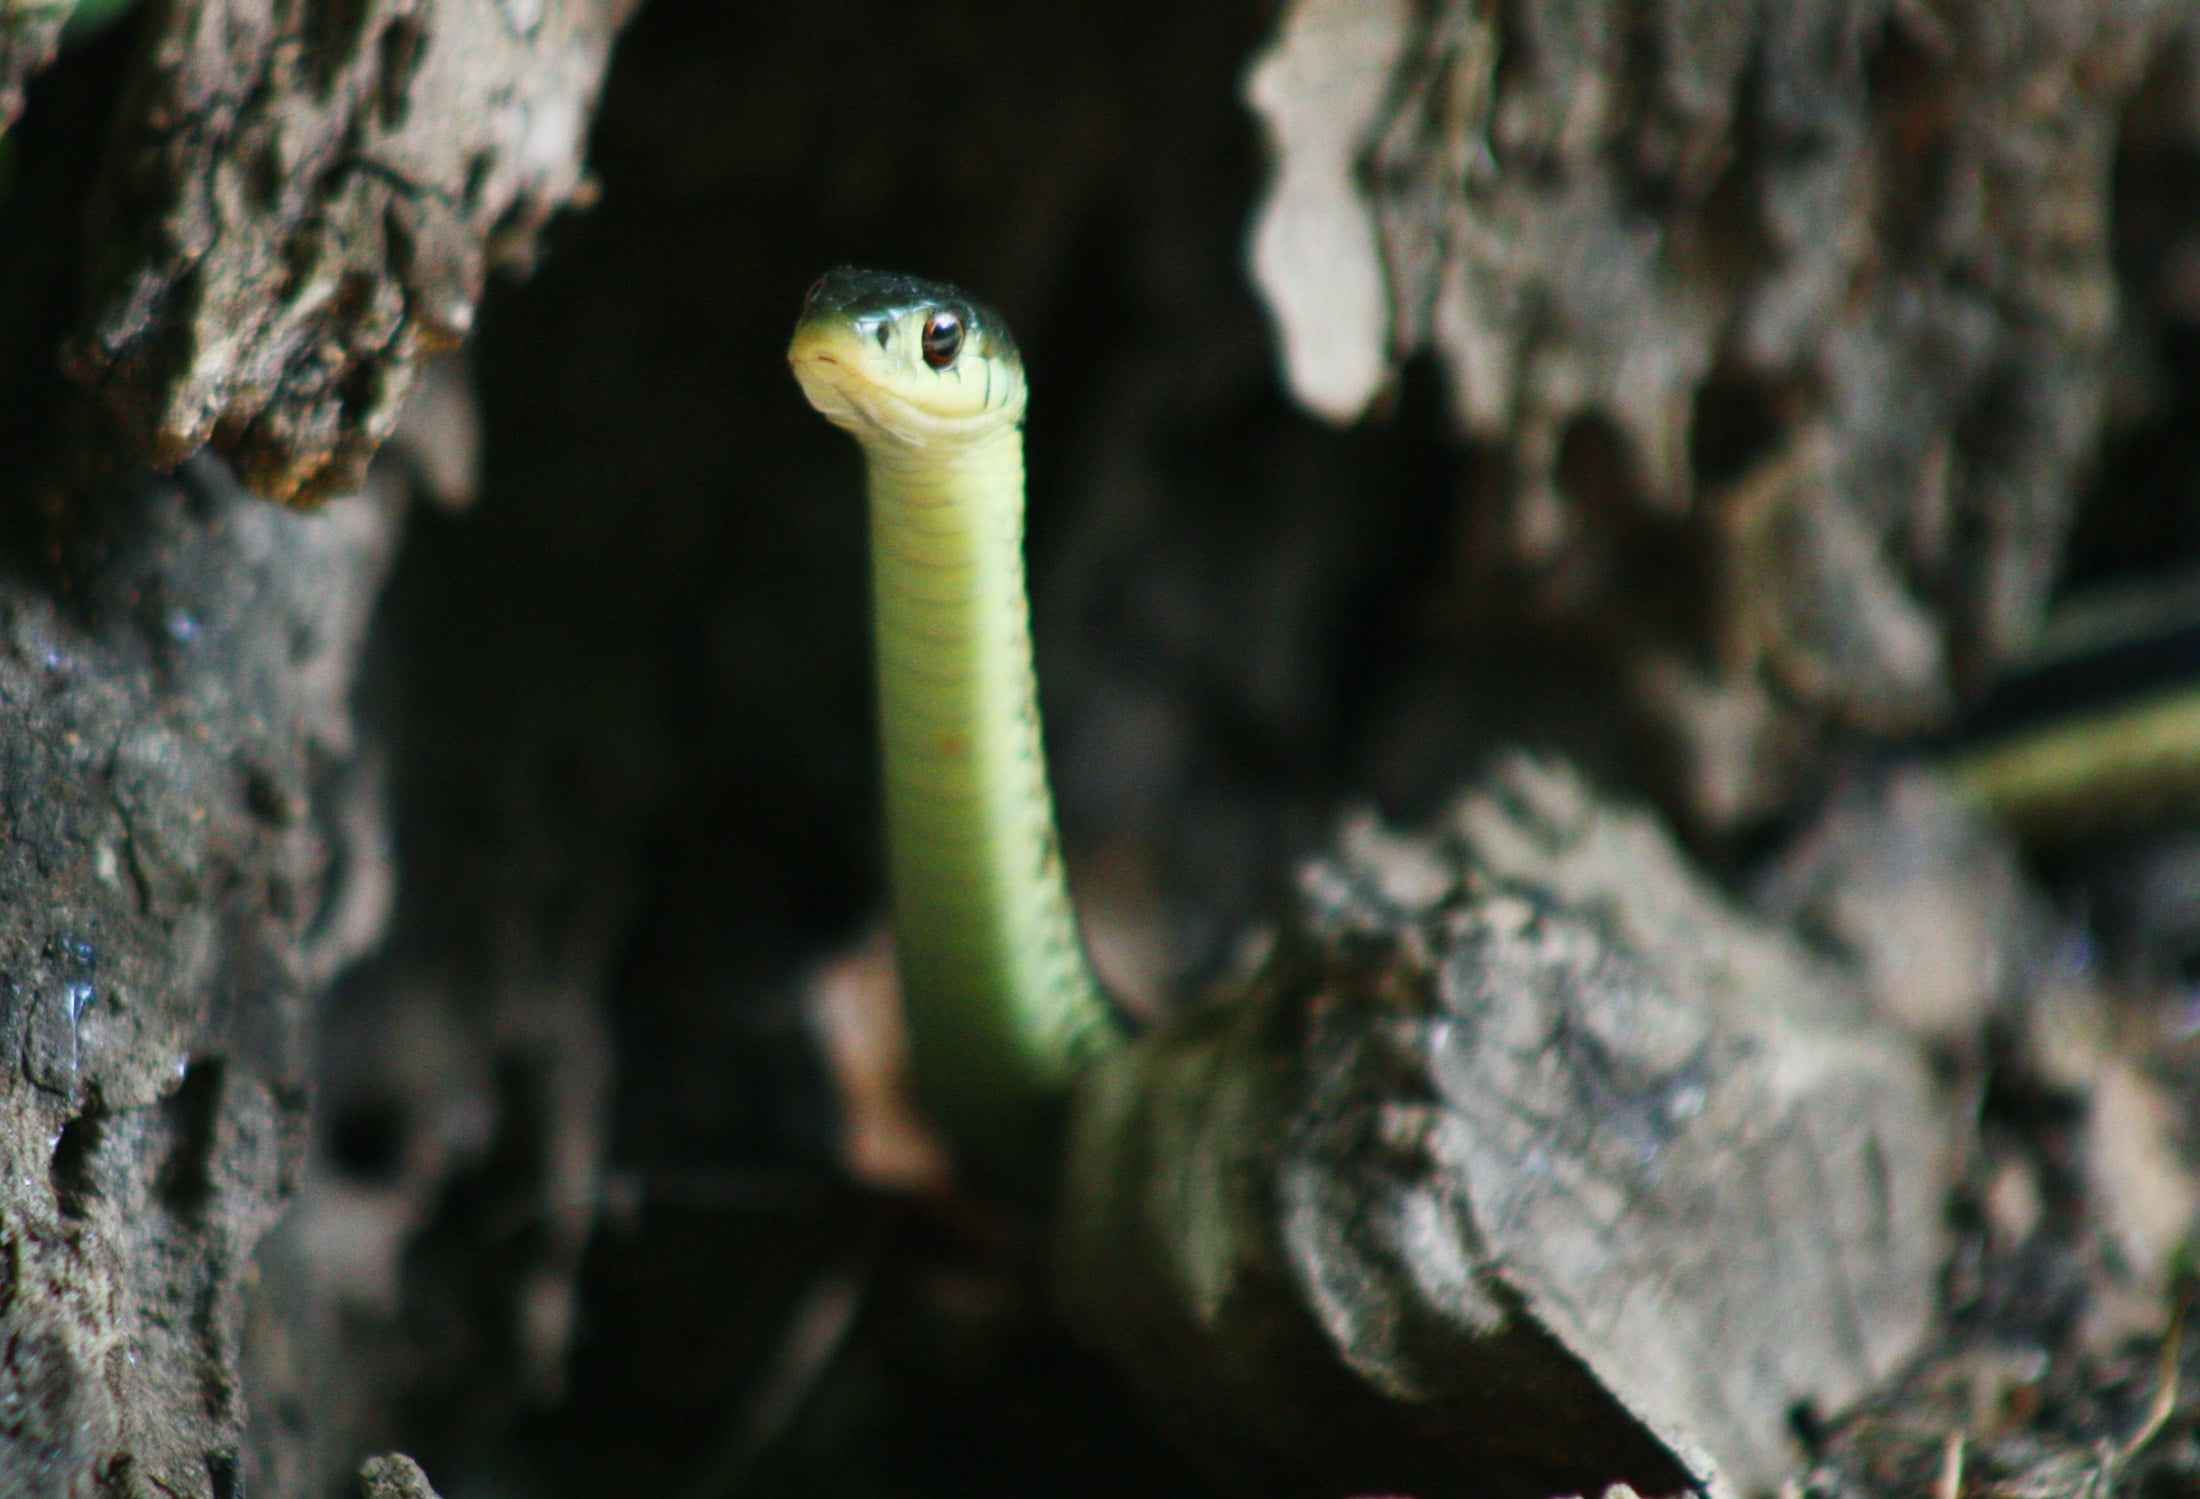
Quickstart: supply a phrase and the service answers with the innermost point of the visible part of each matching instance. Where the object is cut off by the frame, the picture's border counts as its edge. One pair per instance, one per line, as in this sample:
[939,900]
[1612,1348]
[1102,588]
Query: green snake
[1003,1007]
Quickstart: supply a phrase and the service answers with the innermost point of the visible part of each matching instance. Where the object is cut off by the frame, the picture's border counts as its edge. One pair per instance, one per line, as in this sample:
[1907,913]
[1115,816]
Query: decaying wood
[30,35]
[1525,1165]
[1834,279]
[301,204]
[298,205]
[1781,336]
[167,906]
[393,1476]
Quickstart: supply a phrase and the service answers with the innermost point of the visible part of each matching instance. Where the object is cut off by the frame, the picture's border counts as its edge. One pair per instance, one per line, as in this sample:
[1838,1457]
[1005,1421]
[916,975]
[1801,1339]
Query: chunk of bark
[393,1476]
[30,36]
[301,204]
[1524,1165]
[163,744]
[1922,897]
[1833,278]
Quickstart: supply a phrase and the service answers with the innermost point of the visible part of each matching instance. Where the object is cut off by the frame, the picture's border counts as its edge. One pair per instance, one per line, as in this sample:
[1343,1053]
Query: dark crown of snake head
[848,292]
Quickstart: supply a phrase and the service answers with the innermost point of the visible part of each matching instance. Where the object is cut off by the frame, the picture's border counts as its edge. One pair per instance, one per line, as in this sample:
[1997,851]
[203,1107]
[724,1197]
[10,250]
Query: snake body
[1002,1004]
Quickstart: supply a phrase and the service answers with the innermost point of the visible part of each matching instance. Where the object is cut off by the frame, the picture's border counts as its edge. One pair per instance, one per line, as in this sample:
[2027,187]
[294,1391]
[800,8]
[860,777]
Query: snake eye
[943,339]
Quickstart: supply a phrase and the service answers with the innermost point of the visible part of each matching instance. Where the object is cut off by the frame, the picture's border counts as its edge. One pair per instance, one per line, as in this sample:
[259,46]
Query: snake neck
[1002,1003]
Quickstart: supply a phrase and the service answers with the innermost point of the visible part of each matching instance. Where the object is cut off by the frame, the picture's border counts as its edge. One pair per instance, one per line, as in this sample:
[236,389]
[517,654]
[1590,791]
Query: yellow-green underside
[1001,1001]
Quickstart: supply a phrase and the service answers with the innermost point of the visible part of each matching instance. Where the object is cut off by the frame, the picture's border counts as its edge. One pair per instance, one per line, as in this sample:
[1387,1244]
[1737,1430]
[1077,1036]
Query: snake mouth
[840,387]
[864,394]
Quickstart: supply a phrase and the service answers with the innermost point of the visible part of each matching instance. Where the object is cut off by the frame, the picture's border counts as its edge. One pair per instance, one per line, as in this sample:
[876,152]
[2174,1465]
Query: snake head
[907,362]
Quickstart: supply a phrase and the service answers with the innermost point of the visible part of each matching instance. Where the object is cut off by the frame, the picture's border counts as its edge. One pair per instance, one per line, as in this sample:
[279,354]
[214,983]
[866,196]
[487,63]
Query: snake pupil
[943,339]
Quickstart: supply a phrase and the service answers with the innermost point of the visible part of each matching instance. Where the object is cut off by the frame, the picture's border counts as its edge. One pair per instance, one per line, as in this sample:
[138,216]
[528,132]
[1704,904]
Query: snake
[1002,1005]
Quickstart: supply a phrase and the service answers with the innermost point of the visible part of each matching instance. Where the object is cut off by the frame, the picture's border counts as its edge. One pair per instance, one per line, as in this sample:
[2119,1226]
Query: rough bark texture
[1835,278]
[297,204]
[302,202]
[1796,323]
[393,1477]
[29,37]
[175,728]
[1524,1166]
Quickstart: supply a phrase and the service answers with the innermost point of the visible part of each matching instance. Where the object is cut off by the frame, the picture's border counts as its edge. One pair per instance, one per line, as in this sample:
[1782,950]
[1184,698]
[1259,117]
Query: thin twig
[2164,1403]
[1949,1485]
